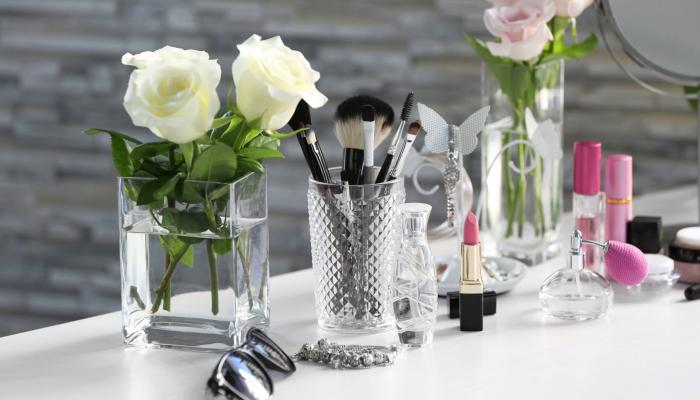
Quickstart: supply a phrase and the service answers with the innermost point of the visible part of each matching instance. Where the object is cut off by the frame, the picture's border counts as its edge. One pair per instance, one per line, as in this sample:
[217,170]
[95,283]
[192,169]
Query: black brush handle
[310,161]
[471,312]
[352,166]
[386,166]
[322,165]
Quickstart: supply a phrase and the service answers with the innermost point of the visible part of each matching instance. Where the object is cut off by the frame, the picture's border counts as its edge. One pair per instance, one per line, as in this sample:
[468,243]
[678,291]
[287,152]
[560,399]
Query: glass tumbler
[354,235]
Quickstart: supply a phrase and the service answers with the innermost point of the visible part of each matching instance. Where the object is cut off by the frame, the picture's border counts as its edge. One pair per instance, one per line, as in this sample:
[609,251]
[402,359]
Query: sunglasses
[245,373]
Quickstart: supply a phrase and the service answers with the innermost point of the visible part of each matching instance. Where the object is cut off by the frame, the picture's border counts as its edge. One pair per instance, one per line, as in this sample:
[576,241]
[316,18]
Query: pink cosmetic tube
[618,196]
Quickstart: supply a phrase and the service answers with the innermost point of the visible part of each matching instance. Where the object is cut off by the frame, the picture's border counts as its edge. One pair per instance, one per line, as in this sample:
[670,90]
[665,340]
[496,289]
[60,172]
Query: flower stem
[168,288]
[508,184]
[243,245]
[522,186]
[213,278]
[169,271]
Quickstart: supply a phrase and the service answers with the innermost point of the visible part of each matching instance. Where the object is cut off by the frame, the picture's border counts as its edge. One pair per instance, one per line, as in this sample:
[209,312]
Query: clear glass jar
[576,293]
[522,207]
[415,285]
[195,269]
[354,235]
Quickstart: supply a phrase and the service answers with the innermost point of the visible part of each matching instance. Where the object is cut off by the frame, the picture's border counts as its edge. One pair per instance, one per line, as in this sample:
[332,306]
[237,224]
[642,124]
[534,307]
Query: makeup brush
[310,147]
[348,130]
[368,137]
[395,141]
[413,131]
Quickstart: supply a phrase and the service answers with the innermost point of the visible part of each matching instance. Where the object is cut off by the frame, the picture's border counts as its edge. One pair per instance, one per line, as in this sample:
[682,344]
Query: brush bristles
[414,128]
[348,121]
[351,108]
[408,105]
[349,133]
[301,117]
[367,113]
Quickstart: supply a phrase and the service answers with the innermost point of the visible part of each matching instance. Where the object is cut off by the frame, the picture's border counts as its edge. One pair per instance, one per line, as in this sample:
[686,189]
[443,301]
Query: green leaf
[222,246]
[218,192]
[185,221]
[216,164]
[120,156]
[258,153]
[688,90]
[148,150]
[191,239]
[243,139]
[204,139]
[265,142]
[120,150]
[246,165]
[482,51]
[153,168]
[559,32]
[97,131]
[188,154]
[174,246]
[157,189]
[279,135]
[186,192]
[514,79]
[221,121]
[574,51]
[236,129]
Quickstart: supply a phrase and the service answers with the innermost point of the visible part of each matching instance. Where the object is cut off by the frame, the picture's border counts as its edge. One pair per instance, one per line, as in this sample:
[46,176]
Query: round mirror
[659,35]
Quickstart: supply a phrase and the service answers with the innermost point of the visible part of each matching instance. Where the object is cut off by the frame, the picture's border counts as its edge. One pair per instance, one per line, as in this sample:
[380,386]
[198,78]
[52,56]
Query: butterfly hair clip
[454,140]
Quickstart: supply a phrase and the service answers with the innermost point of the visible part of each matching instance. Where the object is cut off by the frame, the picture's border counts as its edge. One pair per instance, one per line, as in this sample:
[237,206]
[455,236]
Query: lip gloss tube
[618,196]
[587,199]
[471,287]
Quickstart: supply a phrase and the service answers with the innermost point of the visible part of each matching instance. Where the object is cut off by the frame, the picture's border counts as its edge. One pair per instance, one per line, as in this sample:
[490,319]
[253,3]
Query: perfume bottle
[415,284]
[574,292]
[588,201]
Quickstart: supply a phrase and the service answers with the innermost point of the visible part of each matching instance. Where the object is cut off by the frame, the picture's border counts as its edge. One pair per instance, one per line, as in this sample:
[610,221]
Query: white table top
[641,350]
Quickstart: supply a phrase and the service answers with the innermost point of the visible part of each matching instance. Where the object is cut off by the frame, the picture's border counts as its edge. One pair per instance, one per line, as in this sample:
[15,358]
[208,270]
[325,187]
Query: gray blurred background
[60,72]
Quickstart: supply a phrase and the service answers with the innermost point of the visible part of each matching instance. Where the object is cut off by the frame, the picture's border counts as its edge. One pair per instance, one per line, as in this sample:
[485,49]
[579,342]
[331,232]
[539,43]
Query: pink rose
[522,28]
[522,3]
[571,8]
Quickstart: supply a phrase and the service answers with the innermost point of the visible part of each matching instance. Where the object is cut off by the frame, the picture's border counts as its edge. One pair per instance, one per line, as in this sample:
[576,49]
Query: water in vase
[217,285]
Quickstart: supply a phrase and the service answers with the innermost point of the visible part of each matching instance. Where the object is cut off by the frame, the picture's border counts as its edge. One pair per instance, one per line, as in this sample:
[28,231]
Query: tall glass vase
[194,268]
[523,192]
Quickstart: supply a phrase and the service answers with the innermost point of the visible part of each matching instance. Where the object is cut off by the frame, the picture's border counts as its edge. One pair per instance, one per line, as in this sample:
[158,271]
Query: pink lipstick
[471,287]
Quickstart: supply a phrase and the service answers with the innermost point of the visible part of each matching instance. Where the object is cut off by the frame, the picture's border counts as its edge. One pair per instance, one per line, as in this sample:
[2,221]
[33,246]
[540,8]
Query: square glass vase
[195,265]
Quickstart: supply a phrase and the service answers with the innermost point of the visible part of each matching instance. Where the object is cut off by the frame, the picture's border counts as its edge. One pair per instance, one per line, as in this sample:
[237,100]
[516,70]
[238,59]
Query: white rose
[270,81]
[172,92]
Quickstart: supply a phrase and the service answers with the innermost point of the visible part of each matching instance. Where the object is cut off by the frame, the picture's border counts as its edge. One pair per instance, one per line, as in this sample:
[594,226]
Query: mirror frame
[605,11]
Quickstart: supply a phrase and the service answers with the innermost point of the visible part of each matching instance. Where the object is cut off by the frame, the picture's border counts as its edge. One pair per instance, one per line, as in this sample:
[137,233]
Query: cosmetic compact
[645,232]
[685,252]
[501,274]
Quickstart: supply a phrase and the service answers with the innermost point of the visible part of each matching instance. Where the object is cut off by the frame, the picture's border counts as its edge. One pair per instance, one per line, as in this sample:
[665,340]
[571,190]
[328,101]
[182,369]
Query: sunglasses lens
[268,352]
[246,376]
